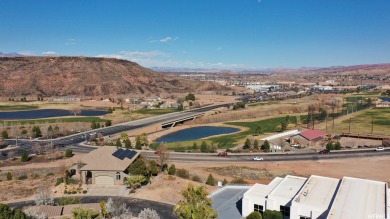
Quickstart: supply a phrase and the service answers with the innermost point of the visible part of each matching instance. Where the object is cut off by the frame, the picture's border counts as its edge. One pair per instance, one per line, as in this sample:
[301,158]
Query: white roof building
[315,197]
[320,197]
[360,198]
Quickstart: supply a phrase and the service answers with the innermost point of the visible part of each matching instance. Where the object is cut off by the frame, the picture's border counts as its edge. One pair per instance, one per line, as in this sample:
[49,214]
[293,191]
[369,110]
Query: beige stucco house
[107,165]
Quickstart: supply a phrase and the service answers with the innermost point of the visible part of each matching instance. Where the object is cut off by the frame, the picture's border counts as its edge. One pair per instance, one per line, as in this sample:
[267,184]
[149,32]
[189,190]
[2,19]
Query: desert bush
[196,178]
[148,213]
[24,157]
[85,213]
[172,169]
[59,181]
[183,173]
[238,181]
[68,153]
[254,215]
[268,214]
[9,176]
[68,201]
[210,180]
[22,177]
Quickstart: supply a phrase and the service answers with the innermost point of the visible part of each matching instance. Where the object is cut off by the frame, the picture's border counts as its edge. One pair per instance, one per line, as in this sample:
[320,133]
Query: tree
[148,213]
[162,156]
[180,107]
[283,126]
[108,123]
[36,132]
[44,196]
[224,182]
[76,111]
[128,143]
[254,215]
[138,144]
[210,180]
[247,144]
[256,144]
[330,146]
[24,157]
[265,147]
[9,213]
[124,136]
[268,214]
[258,130]
[337,146]
[153,168]
[172,169]
[93,125]
[204,147]
[68,153]
[139,167]
[195,204]
[4,134]
[118,143]
[117,210]
[190,96]
[195,146]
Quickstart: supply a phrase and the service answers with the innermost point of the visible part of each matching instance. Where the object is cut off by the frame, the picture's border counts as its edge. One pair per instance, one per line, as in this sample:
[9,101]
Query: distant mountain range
[13,54]
[87,76]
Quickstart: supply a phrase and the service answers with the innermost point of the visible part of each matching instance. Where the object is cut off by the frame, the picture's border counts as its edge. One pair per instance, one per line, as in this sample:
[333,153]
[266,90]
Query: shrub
[196,178]
[224,182]
[337,146]
[268,214]
[84,191]
[183,173]
[24,157]
[210,180]
[254,215]
[330,146]
[238,181]
[74,192]
[22,177]
[71,181]
[172,169]
[9,176]
[68,153]
[59,181]
[68,201]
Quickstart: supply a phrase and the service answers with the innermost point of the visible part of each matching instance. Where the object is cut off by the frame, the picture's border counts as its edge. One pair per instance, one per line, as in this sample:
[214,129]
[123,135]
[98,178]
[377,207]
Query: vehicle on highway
[222,154]
[380,149]
[295,145]
[157,152]
[325,151]
[258,158]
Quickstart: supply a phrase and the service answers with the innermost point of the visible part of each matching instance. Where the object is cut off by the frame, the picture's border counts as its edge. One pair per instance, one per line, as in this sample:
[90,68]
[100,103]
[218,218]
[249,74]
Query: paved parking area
[228,200]
[107,190]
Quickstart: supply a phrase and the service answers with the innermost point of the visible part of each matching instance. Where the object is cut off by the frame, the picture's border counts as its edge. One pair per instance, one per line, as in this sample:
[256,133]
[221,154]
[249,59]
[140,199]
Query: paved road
[136,205]
[75,139]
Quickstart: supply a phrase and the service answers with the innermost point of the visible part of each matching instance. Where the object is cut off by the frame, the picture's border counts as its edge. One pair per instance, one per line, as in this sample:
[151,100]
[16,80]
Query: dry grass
[248,173]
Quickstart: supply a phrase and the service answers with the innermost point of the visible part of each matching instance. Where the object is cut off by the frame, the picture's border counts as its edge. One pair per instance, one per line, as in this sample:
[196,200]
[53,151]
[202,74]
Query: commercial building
[319,197]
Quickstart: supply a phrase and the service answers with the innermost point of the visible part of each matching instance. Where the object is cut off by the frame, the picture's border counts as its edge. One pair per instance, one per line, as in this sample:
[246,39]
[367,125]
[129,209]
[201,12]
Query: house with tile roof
[107,165]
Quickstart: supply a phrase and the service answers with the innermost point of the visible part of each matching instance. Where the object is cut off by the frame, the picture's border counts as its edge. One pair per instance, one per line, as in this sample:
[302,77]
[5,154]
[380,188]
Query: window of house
[285,210]
[118,176]
[258,208]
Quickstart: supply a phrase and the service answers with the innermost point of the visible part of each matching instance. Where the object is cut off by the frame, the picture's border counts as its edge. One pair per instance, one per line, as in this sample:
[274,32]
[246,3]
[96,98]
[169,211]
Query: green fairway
[17,107]
[155,111]
[56,120]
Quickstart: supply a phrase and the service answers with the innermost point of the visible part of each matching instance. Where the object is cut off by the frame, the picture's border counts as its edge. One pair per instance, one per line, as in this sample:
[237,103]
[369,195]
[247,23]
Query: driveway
[107,190]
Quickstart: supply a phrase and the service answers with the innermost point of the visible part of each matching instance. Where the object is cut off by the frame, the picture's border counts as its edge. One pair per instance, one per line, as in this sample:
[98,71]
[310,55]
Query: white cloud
[165,40]
[26,53]
[70,41]
[219,49]
[49,53]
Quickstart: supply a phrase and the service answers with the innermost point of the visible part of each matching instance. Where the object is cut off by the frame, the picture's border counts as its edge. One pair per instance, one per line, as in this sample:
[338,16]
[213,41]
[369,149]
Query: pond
[385,99]
[46,113]
[196,133]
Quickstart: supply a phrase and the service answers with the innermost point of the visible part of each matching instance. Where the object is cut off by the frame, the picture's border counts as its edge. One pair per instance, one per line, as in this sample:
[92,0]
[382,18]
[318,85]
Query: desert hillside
[65,76]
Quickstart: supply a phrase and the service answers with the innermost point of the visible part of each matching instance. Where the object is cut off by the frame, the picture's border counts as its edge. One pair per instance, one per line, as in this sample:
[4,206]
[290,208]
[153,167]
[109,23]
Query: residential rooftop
[317,192]
[287,188]
[359,198]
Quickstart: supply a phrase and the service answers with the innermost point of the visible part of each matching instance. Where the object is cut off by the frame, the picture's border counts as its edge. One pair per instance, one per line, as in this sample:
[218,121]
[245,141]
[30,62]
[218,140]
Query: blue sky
[202,33]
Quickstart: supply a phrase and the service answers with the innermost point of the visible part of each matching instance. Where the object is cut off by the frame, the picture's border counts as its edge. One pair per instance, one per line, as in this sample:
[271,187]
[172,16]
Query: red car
[157,152]
[325,151]
[222,154]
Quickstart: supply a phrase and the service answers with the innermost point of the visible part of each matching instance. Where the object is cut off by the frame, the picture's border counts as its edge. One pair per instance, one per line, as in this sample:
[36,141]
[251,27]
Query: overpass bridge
[173,122]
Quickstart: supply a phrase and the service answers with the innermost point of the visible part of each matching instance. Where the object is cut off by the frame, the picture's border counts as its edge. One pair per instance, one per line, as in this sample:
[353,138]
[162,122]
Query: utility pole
[372,124]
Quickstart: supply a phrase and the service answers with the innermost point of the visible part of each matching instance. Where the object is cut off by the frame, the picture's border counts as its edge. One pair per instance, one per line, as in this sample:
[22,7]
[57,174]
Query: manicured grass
[267,125]
[17,107]
[263,103]
[155,111]
[60,119]
[361,122]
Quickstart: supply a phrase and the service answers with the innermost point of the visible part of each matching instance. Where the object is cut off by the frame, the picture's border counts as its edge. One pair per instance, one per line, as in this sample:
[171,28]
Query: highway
[75,139]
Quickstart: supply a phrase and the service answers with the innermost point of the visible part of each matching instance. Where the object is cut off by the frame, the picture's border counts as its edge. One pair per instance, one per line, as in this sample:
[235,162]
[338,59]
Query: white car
[380,149]
[258,158]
